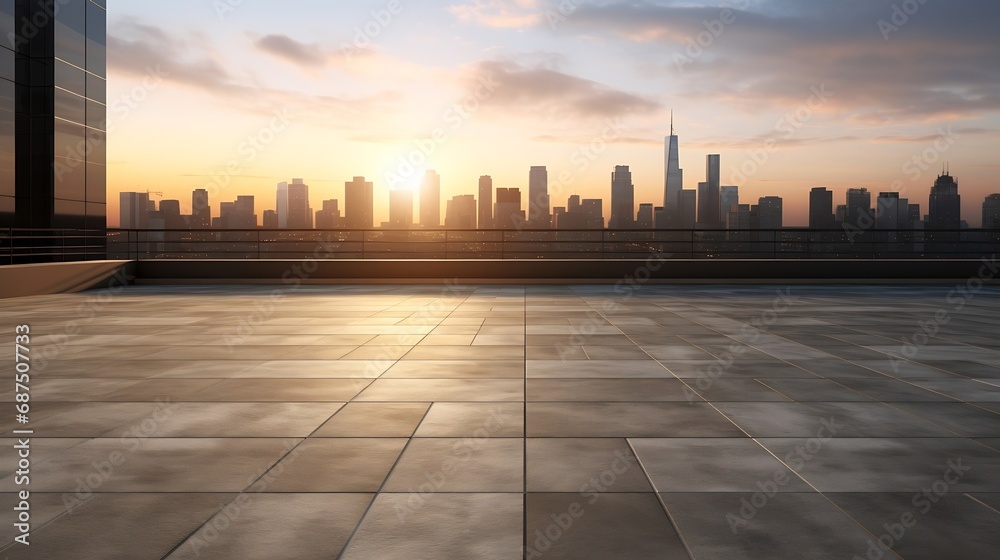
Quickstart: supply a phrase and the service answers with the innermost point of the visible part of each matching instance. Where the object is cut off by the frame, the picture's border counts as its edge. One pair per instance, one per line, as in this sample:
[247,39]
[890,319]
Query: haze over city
[840,95]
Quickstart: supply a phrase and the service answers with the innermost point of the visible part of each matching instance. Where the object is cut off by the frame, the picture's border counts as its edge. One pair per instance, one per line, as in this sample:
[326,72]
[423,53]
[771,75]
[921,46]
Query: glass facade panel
[70,141]
[70,180]
[6,64]
[97,89]
[71,78]
[6,19]
[70,106]
[70,214]
[71,32]
[97,115]
[97,178]
[96,39]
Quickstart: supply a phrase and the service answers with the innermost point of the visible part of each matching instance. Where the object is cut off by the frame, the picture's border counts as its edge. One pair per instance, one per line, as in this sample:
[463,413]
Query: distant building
[991,212]
[508,213]
[594,209]
[622,199]
[728,197]
[945,211]
[201,210]
[461,213]
[893,212]
[673,173]
[329,216]
[485,202]
[770,213]
[359,204]
[742,217]
[400,209]
[709,204]
[821,214]
[539,205]
[645,218]
[299,212]
[859,213]
[430,201]
[133,210]
[688,210]
[270,219]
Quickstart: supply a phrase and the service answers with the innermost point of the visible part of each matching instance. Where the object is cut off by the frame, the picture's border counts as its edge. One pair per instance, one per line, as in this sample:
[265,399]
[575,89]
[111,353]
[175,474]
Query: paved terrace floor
[376,423]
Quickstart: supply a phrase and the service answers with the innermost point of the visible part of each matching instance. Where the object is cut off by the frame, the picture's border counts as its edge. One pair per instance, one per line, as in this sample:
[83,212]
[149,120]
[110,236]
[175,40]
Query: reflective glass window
[6,63]
[71,78]
[97,89]
[70,179]
[97,115]
[97,183]
[70,106]
[70,32]
[96,39]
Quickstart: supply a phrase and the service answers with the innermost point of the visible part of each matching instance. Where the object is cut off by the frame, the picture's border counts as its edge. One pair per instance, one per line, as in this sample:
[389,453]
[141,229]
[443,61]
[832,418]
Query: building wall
[60,150]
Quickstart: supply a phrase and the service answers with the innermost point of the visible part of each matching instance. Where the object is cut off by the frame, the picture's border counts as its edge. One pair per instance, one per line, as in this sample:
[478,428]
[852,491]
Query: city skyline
[550,90]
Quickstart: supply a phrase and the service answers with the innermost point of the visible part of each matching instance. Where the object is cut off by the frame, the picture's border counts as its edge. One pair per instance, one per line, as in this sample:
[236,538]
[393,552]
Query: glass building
[53,114]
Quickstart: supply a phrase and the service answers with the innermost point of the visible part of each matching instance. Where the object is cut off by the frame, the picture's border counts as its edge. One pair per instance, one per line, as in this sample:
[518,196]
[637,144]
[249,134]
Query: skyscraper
[299,211]
[53,109]
[270,219]
[622,199]
[539,205]
[201,210]
[329,216]
[593,208]
[133,210]
[688,210]
[645,219]
[945,210]
[430,201]
[991,212]
[728,197]
[461,212]
[359,204]
[281,206]
[508,213]
[709,205]
[892,212]
[674,175]
[770,212]
[821,209]
[859,214]
[485,202]
[400,209]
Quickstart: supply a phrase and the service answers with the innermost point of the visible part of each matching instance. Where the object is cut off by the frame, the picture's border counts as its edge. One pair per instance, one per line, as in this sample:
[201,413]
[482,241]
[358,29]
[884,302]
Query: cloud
[499,13]
[135,49]
[939,64]
[541,91]
[288,49]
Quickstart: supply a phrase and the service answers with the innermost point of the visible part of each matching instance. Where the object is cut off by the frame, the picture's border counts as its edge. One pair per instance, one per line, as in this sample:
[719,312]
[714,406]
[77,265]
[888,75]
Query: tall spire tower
[674,175]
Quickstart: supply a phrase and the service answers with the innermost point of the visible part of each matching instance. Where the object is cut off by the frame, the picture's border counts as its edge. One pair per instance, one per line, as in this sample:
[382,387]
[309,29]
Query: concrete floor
[473,422]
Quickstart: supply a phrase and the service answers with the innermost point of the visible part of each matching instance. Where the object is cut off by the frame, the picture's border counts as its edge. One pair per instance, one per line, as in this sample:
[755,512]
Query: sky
[238,95]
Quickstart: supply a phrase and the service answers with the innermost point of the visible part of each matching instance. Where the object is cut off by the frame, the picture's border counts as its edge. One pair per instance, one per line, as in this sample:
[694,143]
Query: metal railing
[26,246]
[551,244]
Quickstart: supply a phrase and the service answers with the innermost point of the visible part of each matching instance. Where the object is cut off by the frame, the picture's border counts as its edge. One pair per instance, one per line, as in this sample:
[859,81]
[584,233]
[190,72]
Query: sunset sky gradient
[273,91]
